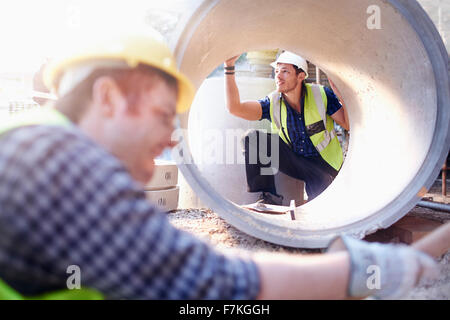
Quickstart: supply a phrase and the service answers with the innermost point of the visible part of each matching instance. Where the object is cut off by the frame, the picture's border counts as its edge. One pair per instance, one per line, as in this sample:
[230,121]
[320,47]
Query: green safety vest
[319,125]
[38,116]
[42,116]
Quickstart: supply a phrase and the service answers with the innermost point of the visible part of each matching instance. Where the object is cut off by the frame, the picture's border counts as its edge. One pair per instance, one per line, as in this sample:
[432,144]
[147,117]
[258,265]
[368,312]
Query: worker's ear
[107,96]
[301,76]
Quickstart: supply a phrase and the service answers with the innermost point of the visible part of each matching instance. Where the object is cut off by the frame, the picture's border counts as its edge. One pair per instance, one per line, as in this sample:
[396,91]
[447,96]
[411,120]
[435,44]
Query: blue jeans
[314,171]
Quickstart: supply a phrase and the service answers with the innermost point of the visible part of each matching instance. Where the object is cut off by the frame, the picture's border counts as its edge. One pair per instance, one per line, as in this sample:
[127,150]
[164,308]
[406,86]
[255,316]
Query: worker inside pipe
[302,117]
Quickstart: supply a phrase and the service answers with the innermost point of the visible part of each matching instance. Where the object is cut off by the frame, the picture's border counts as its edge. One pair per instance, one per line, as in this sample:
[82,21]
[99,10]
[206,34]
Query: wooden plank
[410,229]
[407,230]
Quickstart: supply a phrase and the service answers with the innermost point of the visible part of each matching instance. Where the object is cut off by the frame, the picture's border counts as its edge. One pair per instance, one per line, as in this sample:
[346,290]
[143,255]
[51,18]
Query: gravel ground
[208,226]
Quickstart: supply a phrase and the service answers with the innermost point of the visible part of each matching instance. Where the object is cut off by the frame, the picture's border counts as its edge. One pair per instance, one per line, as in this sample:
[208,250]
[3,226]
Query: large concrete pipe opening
[394,81]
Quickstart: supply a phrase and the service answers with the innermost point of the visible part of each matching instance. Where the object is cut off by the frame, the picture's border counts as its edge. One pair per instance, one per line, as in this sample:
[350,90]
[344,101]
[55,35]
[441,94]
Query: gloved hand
[384,271]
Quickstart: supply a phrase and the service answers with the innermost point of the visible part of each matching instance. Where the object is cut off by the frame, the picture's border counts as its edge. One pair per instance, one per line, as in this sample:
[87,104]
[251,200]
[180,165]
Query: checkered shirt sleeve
[65,201]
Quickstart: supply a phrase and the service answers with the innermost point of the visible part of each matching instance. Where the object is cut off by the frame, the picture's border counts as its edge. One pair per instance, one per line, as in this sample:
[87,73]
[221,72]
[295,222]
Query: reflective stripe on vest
[38,116]
[323,136]
[275,115]
[315,89]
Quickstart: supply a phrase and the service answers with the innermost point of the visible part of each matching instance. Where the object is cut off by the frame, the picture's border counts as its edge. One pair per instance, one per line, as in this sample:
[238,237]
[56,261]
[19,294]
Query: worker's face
[286,78]
[139,133]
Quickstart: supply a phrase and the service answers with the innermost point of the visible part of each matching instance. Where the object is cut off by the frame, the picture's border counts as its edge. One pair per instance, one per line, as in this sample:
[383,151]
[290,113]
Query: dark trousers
[315,172]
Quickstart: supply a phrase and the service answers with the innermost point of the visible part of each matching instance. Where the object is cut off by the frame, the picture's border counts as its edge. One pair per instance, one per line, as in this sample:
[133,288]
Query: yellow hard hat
[133,49]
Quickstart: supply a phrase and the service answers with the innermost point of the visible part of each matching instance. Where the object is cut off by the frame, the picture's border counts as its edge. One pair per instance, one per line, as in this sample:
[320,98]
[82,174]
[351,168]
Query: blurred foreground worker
[302,117]
[70,196]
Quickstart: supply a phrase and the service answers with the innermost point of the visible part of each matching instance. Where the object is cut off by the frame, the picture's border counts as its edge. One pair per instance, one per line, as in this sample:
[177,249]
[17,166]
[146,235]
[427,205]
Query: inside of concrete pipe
[387,83]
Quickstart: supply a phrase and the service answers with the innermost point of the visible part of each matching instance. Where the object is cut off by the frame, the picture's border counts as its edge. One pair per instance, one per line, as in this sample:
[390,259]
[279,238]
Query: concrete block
[166,200]
[164,177]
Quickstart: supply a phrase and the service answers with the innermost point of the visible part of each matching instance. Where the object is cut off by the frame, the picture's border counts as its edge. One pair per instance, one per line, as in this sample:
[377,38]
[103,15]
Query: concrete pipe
[390,64]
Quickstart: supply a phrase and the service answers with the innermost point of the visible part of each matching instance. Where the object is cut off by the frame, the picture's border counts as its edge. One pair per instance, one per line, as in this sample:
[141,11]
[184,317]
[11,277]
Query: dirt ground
[208,226]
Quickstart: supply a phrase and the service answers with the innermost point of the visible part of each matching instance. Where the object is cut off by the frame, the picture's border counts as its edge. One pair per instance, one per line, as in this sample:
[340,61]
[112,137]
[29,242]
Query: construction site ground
[207,225]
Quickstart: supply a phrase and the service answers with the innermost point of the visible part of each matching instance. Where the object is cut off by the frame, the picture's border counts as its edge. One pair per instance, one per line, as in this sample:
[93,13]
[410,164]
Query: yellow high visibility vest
[38,116]
[319,125]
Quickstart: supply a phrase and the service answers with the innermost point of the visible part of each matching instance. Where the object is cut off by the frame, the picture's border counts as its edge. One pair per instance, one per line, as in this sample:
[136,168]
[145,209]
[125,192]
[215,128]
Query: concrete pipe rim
[293,237]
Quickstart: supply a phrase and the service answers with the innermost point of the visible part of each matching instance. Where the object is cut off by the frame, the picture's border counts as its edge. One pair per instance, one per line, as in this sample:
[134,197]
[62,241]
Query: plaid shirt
[301,143]
[66,201]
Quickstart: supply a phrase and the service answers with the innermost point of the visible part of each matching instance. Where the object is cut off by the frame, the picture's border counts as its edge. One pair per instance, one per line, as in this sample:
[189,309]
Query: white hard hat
[289,57]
